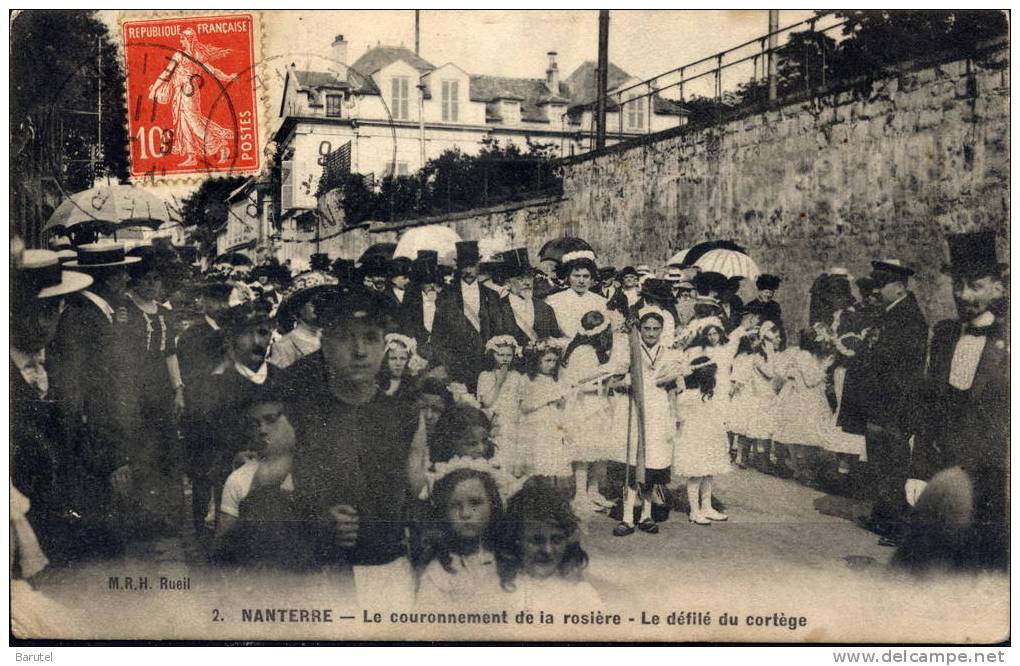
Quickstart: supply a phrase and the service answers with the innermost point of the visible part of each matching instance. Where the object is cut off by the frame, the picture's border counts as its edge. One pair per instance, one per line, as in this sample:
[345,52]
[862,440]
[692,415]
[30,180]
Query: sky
[511,43]
[515,42]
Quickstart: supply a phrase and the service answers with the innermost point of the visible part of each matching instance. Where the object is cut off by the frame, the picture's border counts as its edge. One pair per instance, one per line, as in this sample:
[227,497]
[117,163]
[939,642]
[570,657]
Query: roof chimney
[339,50]
[552,75]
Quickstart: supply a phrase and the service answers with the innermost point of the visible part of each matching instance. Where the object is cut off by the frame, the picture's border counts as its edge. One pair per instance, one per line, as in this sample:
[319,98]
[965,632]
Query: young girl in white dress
[702,447]
[541,425]
[456,562]
[803,412]
[586,414]
[752,412]
[499,391]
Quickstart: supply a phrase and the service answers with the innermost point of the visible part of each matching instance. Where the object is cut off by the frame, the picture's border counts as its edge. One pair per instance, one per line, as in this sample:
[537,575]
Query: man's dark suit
[458,344]
[894,371]
[545,325]
[962,433]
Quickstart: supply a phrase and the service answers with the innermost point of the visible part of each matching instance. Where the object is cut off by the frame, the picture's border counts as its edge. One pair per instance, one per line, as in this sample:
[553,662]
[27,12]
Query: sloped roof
[583,91]
[582,84]
[309,80]
[530,92]
[374,59]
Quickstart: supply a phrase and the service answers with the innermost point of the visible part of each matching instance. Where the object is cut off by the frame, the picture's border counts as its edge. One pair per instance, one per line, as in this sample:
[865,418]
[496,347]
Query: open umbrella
[557,247]
[108,207]
[728,262]
[383,250]
[437,238]
[689,257]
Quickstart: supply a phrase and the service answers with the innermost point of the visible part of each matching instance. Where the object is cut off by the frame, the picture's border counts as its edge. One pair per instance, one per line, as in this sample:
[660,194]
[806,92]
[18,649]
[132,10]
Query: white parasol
[728,262]
[433,237]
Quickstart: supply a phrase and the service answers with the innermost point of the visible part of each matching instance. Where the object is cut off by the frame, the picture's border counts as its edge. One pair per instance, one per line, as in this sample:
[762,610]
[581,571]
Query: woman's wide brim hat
[658,289]
[972,254]
[767,281]
[101,255]
[39,274]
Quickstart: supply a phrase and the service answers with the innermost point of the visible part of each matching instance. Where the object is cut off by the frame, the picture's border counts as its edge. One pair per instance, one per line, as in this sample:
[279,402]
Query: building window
[398,98]
[636,113]
[451,101]
[333,106]
[401,169]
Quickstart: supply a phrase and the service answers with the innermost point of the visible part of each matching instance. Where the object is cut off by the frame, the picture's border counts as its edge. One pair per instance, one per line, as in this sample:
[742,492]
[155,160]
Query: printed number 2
[156,142]
[216,615]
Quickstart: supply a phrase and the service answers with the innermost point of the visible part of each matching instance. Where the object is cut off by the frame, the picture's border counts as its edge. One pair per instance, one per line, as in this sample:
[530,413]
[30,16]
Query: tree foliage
[453,181]
[58,58]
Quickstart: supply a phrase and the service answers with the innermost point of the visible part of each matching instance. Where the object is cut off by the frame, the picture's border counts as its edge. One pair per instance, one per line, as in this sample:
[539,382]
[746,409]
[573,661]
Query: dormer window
[333,106]
[451,101]
[400,85]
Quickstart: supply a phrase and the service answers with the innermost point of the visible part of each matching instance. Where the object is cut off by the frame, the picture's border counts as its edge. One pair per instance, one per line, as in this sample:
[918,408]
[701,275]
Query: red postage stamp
[191,96]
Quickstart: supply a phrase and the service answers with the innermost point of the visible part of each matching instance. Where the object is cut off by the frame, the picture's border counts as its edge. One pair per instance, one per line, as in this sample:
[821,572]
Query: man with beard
[960,463]
[525,317]
[350,463]
[894,368]
[210,422]
[467,315]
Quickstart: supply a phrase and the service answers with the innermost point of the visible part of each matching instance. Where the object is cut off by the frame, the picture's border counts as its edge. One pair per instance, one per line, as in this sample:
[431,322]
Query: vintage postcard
[510,326]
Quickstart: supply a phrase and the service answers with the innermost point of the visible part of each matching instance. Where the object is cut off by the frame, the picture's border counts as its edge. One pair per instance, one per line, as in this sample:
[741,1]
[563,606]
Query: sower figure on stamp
[895,368]
[959,468]
[194,135]
[467,315]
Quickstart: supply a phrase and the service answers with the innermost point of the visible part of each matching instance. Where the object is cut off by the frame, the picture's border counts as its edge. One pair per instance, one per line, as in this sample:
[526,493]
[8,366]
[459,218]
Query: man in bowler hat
[959,468]
[467,315]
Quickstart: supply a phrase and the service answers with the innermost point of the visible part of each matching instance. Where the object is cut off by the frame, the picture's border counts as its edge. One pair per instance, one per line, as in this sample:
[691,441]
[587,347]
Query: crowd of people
[451,428]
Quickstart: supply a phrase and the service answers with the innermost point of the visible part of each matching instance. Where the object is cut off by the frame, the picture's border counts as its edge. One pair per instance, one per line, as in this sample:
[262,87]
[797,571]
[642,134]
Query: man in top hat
[628,293]
[525,317]
[418,315]
[467,315]
[42,466]
[400,278]
[353,443]
[894,370]
[300,308]
[959,468]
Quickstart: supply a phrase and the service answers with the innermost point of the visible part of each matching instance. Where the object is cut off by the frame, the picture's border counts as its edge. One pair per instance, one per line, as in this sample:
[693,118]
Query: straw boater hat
[39,274]
[101,255]
[889,270]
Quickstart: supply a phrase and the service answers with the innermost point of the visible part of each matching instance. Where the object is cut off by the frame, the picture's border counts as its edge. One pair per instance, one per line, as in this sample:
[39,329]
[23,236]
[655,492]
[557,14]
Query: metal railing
[737,75]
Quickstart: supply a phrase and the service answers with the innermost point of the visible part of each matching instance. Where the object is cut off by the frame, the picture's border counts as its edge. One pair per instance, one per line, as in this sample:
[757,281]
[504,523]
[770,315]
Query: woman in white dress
[586,415]
[571,304]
